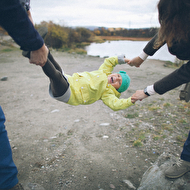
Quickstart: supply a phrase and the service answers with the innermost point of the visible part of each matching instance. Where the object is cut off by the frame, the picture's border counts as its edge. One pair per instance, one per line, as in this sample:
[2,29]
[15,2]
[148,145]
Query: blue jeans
[8,170]
[185,155]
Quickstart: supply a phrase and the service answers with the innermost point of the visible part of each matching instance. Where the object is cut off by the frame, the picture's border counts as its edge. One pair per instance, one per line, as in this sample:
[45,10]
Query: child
[88,87]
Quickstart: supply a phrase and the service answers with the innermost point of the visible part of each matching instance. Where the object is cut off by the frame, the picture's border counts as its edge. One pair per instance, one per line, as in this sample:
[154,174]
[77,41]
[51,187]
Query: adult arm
[171,81]
[14,19]
[149,50]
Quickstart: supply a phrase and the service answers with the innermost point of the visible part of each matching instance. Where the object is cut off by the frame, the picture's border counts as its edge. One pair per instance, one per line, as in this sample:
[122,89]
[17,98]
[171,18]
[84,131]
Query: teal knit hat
[125,81]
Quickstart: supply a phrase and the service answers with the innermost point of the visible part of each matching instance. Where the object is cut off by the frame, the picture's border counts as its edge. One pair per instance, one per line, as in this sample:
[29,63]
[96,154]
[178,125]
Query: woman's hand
[138,95]
[137,61]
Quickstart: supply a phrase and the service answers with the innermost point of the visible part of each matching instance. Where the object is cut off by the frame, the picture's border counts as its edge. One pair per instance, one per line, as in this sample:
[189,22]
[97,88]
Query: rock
[54,111]
[32,186]
[112,186]
[4,78]
[154,178]
[104,124]
[129,184]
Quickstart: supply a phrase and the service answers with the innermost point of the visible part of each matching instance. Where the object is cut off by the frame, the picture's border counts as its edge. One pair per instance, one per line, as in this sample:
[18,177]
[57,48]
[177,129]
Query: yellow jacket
[88,87]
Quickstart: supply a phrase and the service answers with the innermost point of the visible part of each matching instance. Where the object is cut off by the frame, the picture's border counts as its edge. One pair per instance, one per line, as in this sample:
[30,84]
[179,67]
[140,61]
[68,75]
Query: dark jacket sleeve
[173,80]
[149,48]
[14,20]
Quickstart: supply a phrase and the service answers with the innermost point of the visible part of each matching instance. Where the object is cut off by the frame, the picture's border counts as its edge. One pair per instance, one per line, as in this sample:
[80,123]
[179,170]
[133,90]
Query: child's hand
[126,60]
[133,101]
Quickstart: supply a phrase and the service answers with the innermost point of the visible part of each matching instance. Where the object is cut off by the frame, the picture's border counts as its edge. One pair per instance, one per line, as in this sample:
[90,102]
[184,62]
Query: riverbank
[87,147]
[114,38]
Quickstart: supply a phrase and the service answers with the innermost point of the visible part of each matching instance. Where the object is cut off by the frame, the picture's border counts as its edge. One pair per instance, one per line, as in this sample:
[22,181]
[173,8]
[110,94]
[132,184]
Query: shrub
[137,143]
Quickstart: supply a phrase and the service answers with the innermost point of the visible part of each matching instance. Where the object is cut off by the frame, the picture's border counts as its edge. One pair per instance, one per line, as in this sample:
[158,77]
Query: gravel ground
[91,147]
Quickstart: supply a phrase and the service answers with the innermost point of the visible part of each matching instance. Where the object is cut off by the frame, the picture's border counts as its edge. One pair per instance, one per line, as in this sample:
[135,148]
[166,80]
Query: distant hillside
[92,28]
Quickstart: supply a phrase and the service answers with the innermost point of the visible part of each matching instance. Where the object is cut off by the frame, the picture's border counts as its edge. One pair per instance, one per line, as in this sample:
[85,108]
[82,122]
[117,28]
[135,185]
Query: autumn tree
[57,36]
[83,34]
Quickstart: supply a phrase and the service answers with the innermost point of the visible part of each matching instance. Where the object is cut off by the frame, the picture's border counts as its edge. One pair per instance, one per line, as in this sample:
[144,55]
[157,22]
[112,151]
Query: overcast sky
[106,13]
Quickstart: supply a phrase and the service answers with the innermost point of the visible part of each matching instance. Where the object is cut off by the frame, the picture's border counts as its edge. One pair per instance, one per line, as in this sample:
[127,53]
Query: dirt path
[86,147]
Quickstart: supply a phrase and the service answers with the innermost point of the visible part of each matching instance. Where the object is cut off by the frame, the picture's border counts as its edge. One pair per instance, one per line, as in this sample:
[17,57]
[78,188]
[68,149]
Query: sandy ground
[59,146]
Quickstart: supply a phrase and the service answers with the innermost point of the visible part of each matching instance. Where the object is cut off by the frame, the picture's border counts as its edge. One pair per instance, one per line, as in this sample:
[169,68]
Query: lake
[131,49]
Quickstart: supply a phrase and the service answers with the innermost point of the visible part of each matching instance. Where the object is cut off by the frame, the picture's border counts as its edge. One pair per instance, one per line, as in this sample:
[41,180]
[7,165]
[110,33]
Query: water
[131,49]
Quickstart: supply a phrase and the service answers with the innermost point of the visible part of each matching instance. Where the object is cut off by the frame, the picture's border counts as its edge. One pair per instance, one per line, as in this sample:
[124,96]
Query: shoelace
[179,162]
[18,187]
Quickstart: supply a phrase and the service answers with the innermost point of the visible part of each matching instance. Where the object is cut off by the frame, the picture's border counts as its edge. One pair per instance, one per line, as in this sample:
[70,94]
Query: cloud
[108,13]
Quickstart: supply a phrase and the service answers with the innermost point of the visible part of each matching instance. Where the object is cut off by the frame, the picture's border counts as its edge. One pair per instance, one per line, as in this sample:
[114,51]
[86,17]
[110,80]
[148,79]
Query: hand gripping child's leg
[58,82]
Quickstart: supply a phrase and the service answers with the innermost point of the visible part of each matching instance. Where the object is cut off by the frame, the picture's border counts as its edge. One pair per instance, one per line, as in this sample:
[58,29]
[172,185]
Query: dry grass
[112,38]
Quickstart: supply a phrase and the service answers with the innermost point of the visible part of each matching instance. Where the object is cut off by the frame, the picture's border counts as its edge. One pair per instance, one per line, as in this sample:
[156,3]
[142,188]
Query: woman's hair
[174,18]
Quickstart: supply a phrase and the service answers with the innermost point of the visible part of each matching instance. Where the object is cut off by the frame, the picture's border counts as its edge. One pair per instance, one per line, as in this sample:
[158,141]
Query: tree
[57,36]
[84,34]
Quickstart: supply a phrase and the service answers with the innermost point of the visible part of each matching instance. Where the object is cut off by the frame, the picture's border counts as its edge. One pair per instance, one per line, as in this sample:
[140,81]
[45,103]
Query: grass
[133,115]
[7,50]
[142,135]
[114,38]
[183,121]
[74,50]
[164,136]
[175,64]
[153,108]
[137,143]
[167,104]
[156,137]
[169,120]
[77,50]
[167,127]
[180,138]
[70,132]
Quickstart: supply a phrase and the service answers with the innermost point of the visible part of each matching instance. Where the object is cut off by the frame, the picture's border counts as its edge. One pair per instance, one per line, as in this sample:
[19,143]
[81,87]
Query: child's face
[115,80]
